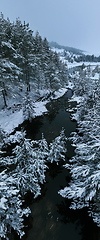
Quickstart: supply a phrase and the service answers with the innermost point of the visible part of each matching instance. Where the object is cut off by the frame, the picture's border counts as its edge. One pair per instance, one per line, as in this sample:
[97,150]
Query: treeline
[84,187]
[27,60]
[87,58]
[71,57]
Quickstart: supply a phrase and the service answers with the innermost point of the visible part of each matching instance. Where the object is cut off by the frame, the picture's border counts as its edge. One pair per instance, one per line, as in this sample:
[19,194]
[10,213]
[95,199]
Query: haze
[73,23]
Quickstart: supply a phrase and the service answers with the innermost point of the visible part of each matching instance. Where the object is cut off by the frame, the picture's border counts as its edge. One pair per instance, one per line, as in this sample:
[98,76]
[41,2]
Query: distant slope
[73,54]
[70,49]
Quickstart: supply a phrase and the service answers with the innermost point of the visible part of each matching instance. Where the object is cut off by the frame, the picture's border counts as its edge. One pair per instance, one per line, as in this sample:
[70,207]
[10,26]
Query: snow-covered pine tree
[40,155]
[11,211]
[3,137]
[28,107]
[58,148]
[24,172]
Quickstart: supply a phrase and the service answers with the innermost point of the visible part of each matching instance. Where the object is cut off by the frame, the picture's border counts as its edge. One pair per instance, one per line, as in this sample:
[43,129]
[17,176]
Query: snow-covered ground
[73,63]
[10,120]
[76,64]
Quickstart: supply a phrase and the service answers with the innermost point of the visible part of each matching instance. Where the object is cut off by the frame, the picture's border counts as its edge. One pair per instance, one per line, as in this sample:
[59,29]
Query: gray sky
[74,23]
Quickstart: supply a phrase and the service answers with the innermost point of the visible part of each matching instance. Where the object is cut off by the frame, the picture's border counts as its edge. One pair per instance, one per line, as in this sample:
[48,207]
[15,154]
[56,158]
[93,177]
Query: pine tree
[58,148]
[24,173]
[40,155]
[11,211]
[28,107]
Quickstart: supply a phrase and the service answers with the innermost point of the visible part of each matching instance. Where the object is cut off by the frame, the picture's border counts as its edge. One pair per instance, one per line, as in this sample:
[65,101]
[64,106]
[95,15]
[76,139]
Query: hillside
[73,55]
[28,67]
[66,48]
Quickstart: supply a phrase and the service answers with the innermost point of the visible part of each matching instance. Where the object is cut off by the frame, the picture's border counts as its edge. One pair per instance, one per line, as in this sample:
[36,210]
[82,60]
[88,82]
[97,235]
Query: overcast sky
[74,23]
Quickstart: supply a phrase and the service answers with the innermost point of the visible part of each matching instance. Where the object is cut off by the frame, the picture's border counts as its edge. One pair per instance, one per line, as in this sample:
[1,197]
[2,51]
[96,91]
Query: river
[51,218]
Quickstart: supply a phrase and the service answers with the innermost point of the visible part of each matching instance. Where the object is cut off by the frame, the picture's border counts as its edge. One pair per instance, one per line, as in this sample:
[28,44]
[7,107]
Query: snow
[2,202]
[60,93]
[8,44]
[8,64]
[58,50]
[13,192]
[40,108]
[9,121]
[70,85]
[77,99]
[75,64]
[96,76]
[15,138]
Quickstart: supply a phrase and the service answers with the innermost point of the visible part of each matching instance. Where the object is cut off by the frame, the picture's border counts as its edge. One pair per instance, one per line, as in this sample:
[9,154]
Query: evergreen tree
[11,211]
[58,148]
[28,107]
[24,173]
[40,155]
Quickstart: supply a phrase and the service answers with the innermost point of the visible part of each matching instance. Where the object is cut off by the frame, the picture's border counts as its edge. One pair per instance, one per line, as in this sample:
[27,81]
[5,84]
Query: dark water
[51,124]
[51,218]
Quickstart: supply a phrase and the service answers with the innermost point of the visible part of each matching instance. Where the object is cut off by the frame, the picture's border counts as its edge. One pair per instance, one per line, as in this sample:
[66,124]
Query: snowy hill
[73,55]
[66,48]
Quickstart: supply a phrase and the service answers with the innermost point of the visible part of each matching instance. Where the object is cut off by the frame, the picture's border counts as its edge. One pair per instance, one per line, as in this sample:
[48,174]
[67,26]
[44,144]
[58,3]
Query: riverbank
[9,119]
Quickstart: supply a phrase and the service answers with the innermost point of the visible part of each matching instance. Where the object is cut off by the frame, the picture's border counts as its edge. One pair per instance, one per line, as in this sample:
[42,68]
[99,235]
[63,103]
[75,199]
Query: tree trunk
[4,98]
